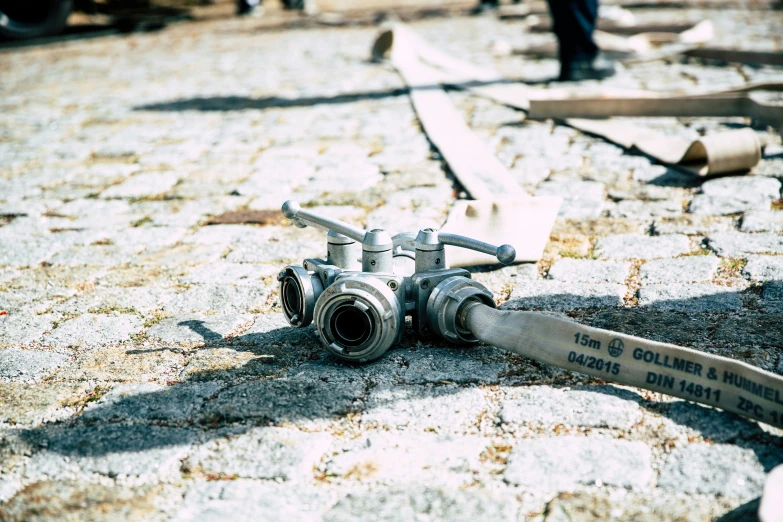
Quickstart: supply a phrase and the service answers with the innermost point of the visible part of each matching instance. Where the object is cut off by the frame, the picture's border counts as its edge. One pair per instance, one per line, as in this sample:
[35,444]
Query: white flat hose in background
[681,372]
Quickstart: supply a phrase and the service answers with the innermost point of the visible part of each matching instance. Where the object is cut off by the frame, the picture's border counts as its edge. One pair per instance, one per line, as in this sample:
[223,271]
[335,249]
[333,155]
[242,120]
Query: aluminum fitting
[299,291]
[359,318]
[445,303]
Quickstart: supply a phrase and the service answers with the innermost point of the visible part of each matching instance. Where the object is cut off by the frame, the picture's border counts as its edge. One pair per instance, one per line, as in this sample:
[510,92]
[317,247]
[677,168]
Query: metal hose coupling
[447,304]
[359,318]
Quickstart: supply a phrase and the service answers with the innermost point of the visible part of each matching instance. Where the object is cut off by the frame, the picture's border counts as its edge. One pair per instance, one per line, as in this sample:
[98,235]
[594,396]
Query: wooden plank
[736,55]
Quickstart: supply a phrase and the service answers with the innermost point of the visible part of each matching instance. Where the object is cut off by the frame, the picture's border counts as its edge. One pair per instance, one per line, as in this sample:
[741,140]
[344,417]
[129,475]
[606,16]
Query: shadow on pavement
[290,381]
[240,103]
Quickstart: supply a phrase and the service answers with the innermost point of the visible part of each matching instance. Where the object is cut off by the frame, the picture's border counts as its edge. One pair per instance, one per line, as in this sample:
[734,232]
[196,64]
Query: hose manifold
[359,295]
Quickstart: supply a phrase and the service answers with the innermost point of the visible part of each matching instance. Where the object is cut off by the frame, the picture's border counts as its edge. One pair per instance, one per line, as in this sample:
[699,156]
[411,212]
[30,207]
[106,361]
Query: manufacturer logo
[616,347]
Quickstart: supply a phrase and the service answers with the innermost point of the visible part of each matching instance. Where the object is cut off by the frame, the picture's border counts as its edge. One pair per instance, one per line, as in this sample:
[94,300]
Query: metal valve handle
[504,253]
[292,210]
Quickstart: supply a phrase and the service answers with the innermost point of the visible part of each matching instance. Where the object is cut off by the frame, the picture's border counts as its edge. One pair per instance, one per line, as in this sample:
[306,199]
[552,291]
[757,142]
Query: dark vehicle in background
[24,19]
[20,19]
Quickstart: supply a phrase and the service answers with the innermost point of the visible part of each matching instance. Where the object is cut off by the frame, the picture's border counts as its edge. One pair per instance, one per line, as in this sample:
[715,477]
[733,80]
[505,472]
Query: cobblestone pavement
[146,371]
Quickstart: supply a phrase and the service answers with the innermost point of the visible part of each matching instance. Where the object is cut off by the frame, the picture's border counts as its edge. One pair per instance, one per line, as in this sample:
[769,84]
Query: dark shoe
[247,7]
[485,6]
[598,68]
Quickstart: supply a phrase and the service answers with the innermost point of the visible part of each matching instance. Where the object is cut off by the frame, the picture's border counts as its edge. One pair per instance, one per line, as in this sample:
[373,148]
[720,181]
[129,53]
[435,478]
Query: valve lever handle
[292,210]
[504,253]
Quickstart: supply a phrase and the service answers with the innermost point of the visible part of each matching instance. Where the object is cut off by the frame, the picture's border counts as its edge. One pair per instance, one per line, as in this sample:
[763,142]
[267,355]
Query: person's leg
[573,22]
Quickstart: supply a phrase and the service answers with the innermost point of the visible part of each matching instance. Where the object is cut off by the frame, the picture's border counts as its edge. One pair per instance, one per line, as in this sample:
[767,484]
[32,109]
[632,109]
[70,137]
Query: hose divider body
[681,372]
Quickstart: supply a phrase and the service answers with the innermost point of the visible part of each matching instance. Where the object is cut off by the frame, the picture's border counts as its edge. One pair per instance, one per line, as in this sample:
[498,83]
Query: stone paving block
[764,268]
[632,246]
[262,453]
[91,330]
[231,364]
[125,364]
[283,401]
[8,274]
[651,506]
[270,329]
[196,329]
[440,197]
[730,195]
[644,172]
[482,365]
[220,298]
[739,244]
[178,213]
[144,185]
[530,170]
[147,452]
[172,155]
[181,255]
[424,458]
[773,296]
[147,238]
[589,271]
[146,401]
[561,463]
[93,255]
[762,221]
[97,213]
[56,282]
[102,174]
[30,251]
[701,297]
[276,244]
[725,205]
[595,407]
[496,279]
[692,225]
[218,236]
[402,504]
[713,469]
[31,301]
[440,409]
[395,221]
[79,499]
[25,405]
[108,299]
[24,328]
[24,365]
[327,368]
[712,424]
[645,210]
[230,274]
[583,199]
[8,488]
[748,330]
[680,270]
[251,501]
[558,295]
[277,175]
[356,175]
